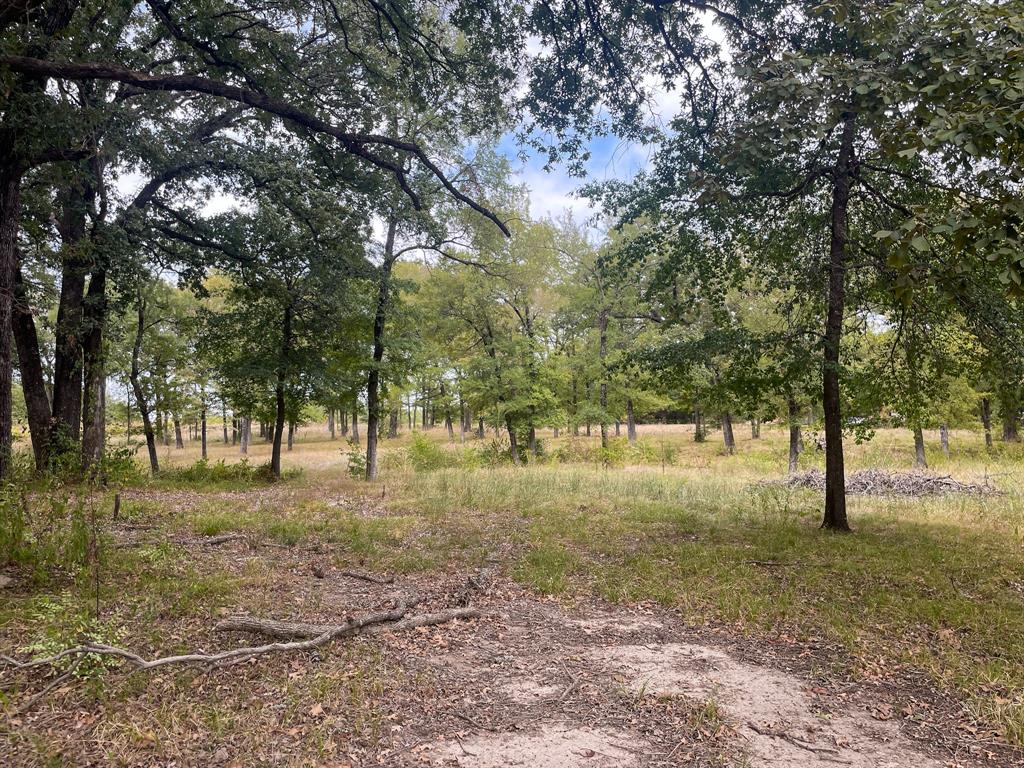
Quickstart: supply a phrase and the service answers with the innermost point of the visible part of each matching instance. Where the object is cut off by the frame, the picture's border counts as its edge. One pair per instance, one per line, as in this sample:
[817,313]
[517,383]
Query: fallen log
[225,658]
[290,629]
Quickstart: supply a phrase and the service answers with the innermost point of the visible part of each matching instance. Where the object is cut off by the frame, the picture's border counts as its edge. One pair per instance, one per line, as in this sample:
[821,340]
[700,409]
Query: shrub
[356,461]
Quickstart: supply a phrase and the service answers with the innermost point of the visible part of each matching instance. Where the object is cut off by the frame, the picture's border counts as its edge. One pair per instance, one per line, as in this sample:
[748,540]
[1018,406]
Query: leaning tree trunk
[919,458]
[33,384]
[140,395]
[794,434]
[944,439]
[727,434]
[282,373]
[835,475]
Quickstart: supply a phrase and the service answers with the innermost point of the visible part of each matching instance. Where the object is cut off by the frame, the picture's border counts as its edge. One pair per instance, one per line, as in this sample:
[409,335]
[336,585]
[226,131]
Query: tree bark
[630,422]
[10,210]
[919,458]
[727,434]
[480,428]
[246,434]
[291,435]
[835,475]
[282,374]
[944,439]
[140,395]
[794,434]
[379,325]
[986,420]
[33,383]
[178,442]
[202,430]
[330,423]
[67,361]
[755,428]
[355,422]
[513,445]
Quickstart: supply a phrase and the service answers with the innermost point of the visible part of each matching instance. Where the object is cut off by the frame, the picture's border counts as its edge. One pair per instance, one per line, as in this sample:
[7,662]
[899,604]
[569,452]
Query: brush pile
[880,482]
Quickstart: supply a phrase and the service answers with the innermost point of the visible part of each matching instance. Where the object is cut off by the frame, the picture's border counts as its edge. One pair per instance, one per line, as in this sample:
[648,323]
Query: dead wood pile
[880,482]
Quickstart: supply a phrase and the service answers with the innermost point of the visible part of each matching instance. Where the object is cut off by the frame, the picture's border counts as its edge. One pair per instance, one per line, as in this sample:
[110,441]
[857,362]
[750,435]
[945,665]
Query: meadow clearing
[606,592]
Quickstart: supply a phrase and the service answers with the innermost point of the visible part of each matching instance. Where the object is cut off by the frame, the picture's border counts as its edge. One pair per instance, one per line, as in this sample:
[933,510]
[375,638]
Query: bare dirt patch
[550,747]
[779,717]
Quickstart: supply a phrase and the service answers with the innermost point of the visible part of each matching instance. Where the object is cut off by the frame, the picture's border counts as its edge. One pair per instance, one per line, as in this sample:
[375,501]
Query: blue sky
[553,192]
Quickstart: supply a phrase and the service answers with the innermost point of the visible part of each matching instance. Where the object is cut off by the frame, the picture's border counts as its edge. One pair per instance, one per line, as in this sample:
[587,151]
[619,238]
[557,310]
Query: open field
[671,609]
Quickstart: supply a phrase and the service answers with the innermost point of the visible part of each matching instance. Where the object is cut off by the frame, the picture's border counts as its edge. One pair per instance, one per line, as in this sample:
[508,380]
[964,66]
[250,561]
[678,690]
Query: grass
[936,583]
[933,583]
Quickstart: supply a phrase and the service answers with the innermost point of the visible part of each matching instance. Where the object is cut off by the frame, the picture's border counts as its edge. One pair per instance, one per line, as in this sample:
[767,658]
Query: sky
[552,192]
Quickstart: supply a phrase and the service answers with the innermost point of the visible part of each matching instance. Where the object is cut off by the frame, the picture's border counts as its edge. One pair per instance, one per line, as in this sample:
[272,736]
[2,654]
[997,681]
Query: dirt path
[538,682]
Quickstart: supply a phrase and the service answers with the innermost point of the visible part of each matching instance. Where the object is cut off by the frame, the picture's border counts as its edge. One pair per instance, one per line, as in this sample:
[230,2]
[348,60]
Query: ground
[674,607]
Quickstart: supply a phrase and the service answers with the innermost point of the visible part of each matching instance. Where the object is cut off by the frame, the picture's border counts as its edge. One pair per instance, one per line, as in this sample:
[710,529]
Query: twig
[53,684]
[794,741]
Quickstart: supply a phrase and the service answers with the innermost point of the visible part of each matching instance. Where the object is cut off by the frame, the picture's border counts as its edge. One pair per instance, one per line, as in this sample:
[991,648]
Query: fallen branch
[224,538]
[288,629]
[369,577]
[351,627]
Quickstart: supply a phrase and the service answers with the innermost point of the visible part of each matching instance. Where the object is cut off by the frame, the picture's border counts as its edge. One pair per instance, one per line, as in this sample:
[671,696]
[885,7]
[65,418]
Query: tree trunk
[919,458]
[140,395]
[944,439]
[344,422]
[10,210]
[245,434]
[603,389]
[224,420]
[178,442]
[393,422]
[794,434]
[630,422]
[513,445]
[755,429]
[698,426]
[355,422]
[33,384]
[282,375]
[835,474]
[986,420]
[330,423]
[480,428]
[1010,432]
[727,435]
[94,395]
[379,324]
[68,332]
[291,435]
[202,431]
